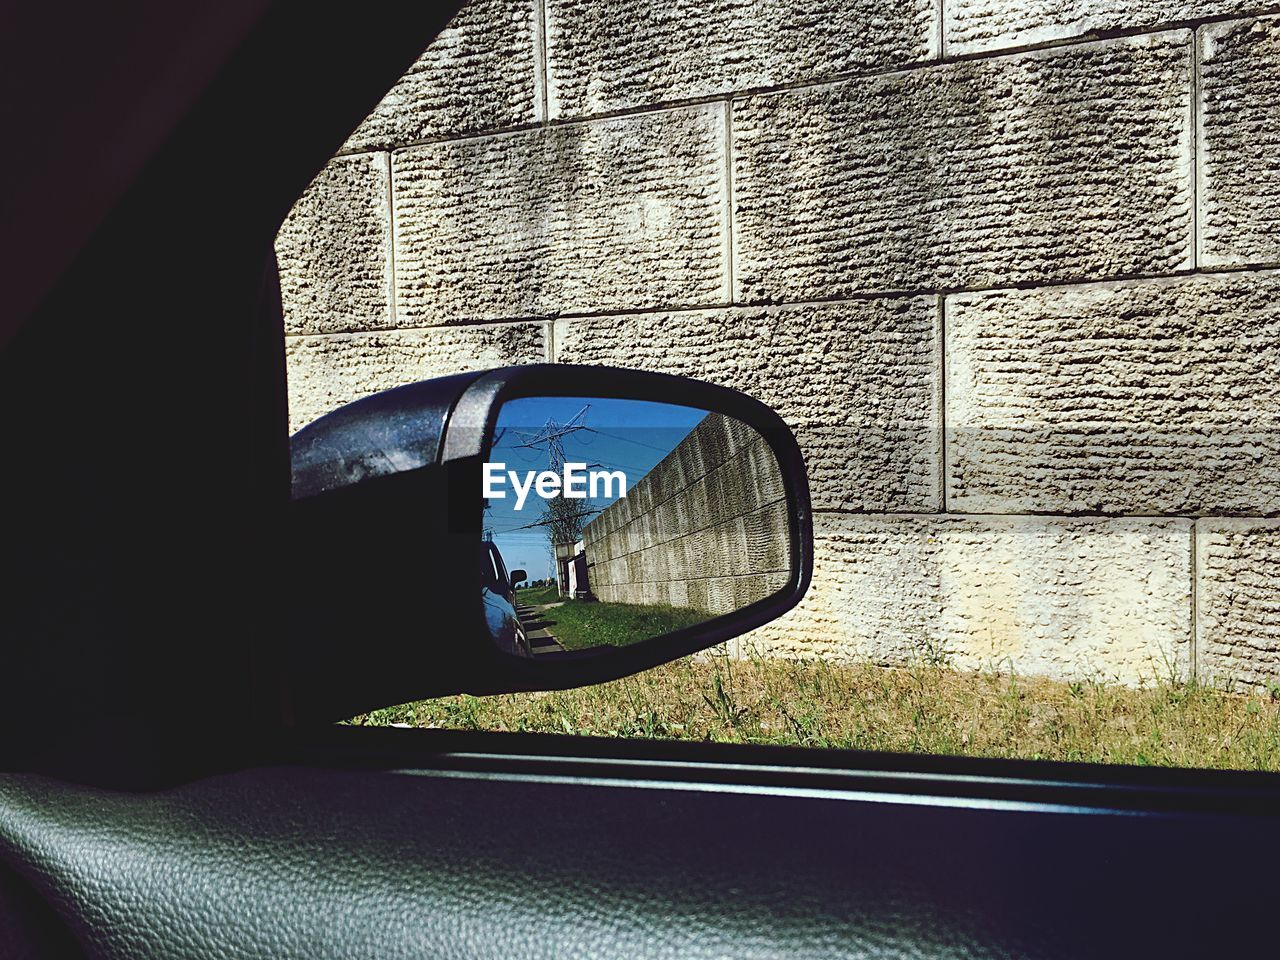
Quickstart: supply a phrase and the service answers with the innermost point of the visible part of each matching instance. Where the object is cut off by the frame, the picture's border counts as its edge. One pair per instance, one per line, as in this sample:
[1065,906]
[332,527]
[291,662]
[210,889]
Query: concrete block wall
[706,528]
[1008,267]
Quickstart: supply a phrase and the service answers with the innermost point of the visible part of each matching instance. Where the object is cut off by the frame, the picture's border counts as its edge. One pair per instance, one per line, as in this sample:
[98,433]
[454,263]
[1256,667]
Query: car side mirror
[655,515]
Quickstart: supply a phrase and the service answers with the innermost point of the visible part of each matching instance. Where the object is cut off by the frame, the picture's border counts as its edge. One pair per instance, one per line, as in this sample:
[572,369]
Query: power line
[628,468]
[638,443]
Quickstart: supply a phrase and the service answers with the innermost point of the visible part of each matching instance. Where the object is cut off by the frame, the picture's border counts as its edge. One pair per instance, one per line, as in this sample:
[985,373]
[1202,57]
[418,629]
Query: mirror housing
[388,510]
[518,577]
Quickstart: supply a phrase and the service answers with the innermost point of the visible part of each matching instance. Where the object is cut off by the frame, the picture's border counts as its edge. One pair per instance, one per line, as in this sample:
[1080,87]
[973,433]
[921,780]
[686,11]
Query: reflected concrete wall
[705,529]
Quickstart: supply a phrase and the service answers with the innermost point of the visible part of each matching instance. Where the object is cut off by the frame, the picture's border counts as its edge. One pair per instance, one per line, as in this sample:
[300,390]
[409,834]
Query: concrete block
[615,214]
[334,249]
[1238,602]
[1066,598]
[1063,164]
[326,372]
[975,26]
[605,57]
[858,382]
[1239,141]
[477,75]
[1141,397]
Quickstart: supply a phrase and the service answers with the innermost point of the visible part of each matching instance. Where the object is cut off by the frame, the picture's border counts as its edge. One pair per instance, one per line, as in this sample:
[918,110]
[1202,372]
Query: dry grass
[928,709]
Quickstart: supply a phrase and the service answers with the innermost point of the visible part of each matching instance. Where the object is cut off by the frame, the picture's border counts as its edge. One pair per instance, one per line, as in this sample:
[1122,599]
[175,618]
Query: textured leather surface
[293,862]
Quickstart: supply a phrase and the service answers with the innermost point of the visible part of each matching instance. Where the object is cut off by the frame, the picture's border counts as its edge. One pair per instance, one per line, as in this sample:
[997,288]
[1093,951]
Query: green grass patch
[538,595]
[583,624]
[923,709]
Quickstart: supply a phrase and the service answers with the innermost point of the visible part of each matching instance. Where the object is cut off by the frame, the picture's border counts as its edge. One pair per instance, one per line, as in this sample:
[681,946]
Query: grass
[538,595]
[582,624]
[922,709]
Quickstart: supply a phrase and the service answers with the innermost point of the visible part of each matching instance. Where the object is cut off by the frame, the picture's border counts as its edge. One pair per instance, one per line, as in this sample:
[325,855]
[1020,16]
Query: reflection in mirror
[626,520]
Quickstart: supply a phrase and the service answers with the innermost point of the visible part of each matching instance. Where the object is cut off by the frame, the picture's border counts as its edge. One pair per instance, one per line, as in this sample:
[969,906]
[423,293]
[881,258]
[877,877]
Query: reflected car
[499,595]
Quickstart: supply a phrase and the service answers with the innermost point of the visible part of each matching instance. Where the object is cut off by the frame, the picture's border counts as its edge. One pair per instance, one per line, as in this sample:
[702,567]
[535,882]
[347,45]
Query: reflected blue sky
[630,436]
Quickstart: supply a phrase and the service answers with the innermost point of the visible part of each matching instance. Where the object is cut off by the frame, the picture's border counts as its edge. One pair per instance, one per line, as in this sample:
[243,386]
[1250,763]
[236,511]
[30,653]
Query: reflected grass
[584,624]
[538,595]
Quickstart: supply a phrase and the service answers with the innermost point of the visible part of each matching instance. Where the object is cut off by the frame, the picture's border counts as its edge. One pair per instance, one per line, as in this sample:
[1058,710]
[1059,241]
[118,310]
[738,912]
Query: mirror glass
[611,521]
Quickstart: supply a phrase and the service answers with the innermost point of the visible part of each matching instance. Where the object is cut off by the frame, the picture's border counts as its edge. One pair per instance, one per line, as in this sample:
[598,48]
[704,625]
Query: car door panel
[591,853]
